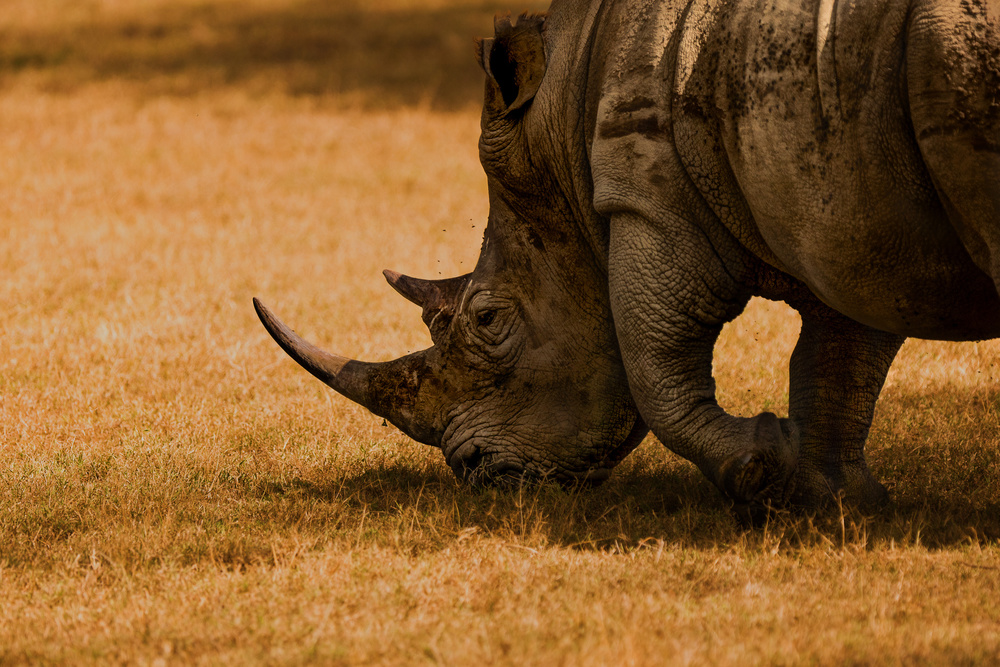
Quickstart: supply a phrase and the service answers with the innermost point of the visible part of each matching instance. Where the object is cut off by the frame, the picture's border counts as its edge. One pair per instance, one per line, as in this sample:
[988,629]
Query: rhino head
[524,378]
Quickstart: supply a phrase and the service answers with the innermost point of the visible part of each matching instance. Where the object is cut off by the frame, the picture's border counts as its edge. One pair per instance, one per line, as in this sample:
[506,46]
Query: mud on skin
[651,166]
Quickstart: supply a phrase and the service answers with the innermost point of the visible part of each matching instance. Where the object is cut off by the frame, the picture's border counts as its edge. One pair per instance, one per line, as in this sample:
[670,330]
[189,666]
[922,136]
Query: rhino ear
[514,58]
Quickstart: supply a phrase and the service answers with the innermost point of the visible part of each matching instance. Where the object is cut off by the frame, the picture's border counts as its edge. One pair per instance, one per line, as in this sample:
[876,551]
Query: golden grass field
[175,490]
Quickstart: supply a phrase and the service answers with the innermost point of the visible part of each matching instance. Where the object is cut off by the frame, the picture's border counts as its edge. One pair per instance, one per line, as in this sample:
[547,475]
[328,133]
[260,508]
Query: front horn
[389,389]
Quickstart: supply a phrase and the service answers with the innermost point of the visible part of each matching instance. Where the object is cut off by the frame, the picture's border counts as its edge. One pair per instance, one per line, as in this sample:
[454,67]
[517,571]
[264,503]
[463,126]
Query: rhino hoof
[761,477]
[844,485]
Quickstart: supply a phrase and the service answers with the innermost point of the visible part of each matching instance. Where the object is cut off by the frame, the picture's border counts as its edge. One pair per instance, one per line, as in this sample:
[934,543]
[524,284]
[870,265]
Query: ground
[175,490]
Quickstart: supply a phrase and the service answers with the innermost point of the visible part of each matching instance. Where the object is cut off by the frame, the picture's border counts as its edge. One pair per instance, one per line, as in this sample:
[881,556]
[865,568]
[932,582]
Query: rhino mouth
[474,465]
[472,461]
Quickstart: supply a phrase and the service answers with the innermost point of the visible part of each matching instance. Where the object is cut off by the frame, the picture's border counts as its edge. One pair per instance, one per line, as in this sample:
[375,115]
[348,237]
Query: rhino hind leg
[836,373]
[671,294]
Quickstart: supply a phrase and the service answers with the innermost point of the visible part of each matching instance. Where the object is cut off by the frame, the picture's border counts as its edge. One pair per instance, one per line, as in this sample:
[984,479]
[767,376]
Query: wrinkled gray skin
[654,164]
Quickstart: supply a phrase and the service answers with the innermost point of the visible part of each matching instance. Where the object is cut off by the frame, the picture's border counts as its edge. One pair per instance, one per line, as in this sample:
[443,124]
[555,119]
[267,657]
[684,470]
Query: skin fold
[652,165]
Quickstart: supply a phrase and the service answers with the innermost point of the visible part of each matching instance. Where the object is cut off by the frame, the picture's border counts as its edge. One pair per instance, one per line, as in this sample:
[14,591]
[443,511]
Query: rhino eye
[491,319]
[485,318]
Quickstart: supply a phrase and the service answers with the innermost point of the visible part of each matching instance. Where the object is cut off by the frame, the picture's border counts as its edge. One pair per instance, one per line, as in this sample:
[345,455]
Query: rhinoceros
[651,166]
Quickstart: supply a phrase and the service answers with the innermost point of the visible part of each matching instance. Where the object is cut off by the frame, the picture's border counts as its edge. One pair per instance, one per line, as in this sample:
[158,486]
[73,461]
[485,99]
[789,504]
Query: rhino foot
[761,477]
[845,484]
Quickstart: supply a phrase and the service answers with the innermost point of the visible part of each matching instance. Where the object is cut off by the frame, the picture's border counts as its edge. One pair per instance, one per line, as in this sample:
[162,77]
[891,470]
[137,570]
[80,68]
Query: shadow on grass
[385,58]
[938,454]
[938,451]
[639,510]
[673,502]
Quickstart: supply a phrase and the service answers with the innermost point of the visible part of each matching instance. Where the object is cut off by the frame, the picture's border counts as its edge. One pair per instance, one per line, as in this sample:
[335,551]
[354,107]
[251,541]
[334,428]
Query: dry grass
[174,490]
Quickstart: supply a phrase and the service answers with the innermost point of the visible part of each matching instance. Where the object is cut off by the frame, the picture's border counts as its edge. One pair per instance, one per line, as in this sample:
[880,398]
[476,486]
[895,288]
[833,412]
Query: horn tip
[266,317]
[392,277]
[263,311]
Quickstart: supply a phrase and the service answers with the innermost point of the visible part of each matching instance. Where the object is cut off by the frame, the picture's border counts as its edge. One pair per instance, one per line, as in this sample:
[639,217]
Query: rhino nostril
[465,459]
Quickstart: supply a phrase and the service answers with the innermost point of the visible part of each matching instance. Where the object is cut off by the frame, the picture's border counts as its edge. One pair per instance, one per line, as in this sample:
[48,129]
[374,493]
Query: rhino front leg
[671,293]
[836,374]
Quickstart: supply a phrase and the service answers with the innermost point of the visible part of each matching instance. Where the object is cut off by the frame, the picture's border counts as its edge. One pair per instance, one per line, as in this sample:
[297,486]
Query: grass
[174,490]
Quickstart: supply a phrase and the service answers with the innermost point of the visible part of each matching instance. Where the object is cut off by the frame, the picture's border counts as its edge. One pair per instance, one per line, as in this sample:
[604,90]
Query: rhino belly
[822,150]
[867,232]
[906,283]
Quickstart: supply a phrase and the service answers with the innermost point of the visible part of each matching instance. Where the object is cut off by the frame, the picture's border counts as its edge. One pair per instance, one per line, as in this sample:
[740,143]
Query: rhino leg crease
[836,373]
[668,320]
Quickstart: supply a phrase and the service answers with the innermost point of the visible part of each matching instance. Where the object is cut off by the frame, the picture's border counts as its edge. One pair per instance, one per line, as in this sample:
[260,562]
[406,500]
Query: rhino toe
[761,476]
[841,485]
